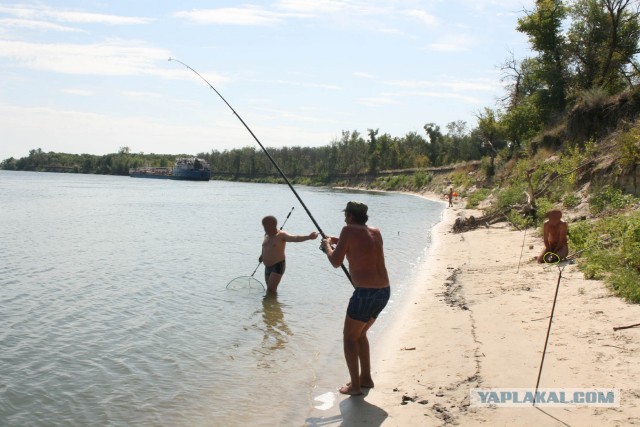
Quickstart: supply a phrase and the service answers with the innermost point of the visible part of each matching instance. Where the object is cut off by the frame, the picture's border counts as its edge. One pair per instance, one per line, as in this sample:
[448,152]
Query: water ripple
[117,313]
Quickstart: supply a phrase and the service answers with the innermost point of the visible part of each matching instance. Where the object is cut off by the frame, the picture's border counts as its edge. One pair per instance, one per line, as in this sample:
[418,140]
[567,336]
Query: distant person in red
[273,251]
[451,197]
[555,238]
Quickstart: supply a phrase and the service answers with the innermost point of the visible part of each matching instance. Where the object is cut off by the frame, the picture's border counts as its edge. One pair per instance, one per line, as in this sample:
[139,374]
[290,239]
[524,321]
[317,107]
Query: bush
[608,198]
[421,180]
[510,196]
[462,180]
[571,201]
[519,221]
[476,197]
[391,183]
[629,147]
[488,168]
[612,252]
[544,205]
[593,98]
[625,284]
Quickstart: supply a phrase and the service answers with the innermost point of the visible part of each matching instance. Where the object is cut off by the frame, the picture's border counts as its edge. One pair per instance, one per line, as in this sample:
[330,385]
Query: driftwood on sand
[467,224]
[617,328]
[525,209]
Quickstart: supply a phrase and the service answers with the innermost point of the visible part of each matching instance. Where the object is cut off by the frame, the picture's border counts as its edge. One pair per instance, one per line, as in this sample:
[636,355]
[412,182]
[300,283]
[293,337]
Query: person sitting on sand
[555,238]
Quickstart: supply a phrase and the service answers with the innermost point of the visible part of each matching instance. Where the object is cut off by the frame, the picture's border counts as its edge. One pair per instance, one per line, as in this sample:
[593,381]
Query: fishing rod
[270,158]
[546,341]
[561,264]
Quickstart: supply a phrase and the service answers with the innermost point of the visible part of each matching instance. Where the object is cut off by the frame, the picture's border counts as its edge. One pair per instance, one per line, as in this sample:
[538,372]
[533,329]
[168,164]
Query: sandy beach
[477,318]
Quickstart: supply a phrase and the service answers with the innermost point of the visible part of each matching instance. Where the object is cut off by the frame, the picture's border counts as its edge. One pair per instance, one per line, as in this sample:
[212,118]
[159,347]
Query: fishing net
[245,283]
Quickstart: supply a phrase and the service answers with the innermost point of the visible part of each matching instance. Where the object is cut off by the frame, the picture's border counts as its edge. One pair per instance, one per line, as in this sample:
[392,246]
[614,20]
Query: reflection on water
[276,331]
[275,335]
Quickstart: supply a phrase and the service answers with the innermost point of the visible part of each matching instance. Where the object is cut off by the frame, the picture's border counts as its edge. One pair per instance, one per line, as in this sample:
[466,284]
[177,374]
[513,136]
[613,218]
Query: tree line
[109,164]
[353,153]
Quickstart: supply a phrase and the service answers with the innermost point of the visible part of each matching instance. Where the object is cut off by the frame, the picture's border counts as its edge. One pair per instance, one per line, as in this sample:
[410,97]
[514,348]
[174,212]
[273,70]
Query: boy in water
[555,237]
[273,251]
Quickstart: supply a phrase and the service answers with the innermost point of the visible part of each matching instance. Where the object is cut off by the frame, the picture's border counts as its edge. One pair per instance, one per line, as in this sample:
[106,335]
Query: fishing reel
[322,248]
[551,258]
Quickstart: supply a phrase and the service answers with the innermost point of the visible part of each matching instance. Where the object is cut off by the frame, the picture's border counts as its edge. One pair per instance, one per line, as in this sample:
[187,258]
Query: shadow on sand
[354,411]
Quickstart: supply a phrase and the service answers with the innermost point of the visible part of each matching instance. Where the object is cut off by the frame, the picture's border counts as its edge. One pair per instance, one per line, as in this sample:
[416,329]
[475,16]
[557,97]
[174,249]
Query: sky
[94,76]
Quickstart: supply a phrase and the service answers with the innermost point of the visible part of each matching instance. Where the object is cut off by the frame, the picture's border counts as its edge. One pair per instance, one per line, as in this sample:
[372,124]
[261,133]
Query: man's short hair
[359,212]
[269,219]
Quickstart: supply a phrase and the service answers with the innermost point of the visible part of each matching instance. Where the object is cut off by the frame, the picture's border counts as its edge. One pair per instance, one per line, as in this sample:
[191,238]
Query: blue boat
[186,168]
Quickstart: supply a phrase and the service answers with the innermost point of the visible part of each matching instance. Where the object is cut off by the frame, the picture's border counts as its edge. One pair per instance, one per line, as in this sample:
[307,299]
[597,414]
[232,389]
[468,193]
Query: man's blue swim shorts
[366,303]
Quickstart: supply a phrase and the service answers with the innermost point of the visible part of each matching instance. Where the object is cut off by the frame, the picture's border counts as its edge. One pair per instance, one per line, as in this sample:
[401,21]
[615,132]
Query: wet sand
[477,317]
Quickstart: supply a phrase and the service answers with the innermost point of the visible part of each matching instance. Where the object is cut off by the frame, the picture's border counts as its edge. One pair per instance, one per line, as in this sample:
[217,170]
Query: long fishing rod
[281,227]
[270,158]
[546,341]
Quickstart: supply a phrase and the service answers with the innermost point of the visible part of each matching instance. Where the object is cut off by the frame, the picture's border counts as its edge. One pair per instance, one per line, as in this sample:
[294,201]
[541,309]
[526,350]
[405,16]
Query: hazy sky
[93,76]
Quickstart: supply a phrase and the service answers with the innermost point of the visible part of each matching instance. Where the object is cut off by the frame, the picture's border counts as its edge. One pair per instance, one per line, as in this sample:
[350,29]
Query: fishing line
[270,158]
[521,250]
[247,281]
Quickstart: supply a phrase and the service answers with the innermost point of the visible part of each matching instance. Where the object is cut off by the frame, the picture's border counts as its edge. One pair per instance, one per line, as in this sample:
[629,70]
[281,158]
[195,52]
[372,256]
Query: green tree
[436,143]
[374,154]
[623,40]
[603,42]
[521,123]
[490,132]
[543,25]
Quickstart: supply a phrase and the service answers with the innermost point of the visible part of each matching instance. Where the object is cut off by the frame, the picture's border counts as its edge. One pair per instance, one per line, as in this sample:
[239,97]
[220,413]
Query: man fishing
[554,233]
[273,247]
[362,246]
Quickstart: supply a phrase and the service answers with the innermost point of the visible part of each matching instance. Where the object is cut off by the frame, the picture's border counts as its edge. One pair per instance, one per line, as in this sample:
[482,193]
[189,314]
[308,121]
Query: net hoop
[245,282]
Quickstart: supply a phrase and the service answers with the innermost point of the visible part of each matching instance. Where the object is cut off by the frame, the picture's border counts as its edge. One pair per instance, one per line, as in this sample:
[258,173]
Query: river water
[114,308]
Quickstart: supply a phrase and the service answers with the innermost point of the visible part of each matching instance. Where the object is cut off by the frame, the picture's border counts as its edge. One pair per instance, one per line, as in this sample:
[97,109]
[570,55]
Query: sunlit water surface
[114,307]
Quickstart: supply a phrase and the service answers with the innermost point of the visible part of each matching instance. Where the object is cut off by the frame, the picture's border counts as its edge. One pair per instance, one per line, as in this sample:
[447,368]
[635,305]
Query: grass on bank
[611,252]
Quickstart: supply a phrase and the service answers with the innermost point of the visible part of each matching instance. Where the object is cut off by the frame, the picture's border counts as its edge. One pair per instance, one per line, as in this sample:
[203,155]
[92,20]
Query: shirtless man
[362,246]
[555,236]
[273,251]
